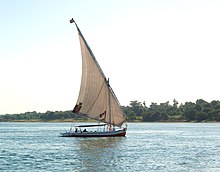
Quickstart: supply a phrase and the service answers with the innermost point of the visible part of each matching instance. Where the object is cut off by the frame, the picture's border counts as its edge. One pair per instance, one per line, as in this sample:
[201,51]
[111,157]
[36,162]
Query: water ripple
[148,147]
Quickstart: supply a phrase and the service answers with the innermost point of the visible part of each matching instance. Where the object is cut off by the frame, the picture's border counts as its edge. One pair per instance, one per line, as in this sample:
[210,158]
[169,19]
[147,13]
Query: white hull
[118,133]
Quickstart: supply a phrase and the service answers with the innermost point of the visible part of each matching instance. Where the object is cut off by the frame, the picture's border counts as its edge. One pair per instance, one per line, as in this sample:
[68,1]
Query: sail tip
[72,21]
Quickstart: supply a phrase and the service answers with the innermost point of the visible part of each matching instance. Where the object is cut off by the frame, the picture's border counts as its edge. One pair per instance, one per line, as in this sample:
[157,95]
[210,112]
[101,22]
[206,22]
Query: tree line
[198,111]
[36,116]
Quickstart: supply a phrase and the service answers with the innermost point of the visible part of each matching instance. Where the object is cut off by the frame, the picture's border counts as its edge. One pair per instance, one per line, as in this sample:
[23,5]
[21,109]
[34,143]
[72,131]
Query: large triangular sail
[96,98]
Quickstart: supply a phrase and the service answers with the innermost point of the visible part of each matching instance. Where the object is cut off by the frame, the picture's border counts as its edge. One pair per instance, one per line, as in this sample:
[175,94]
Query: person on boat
[76,130]
[110,127]
[84,130]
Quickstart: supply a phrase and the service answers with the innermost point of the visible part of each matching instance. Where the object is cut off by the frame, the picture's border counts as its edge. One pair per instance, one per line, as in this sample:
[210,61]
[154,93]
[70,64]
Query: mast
[109,101]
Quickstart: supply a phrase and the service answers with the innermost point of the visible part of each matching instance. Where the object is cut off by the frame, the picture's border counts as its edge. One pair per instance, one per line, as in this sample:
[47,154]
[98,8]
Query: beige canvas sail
[96,99]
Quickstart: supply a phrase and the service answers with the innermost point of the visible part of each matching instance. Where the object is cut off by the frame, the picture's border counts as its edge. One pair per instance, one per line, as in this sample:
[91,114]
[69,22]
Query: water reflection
[104,142]
[99,154]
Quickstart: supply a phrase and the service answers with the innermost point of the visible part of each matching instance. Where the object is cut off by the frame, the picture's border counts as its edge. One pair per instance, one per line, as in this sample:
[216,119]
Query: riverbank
[90,120]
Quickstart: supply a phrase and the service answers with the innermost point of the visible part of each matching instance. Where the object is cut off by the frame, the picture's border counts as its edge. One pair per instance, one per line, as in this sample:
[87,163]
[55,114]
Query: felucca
[96,100]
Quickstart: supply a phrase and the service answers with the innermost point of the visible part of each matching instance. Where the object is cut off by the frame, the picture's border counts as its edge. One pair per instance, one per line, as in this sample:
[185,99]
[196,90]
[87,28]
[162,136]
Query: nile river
[148,147]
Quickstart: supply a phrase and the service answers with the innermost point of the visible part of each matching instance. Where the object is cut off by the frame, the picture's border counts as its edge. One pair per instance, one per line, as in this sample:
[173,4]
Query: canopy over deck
[95,125]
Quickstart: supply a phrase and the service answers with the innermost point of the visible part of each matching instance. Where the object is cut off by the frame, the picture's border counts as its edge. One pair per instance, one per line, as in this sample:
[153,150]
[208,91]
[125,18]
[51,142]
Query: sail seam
[96,98]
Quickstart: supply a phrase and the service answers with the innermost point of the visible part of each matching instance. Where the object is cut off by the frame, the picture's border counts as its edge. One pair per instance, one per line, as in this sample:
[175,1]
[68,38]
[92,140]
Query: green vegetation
[200,111]
[57,116]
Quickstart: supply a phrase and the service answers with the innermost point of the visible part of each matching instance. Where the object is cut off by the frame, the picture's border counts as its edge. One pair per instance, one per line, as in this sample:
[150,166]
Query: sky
[152,51]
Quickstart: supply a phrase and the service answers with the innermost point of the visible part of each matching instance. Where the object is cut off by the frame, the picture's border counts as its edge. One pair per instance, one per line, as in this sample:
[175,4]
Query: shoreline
[89,121]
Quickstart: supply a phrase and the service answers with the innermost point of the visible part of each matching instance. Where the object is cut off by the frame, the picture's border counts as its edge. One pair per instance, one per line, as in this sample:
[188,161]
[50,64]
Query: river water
[147,147]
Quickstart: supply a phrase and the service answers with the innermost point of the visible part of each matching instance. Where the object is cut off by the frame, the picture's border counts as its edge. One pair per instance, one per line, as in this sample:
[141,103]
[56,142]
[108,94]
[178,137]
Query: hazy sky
[152,50]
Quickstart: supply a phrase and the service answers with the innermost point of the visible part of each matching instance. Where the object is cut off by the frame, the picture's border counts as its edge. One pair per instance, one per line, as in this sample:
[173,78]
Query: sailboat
[96,100]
